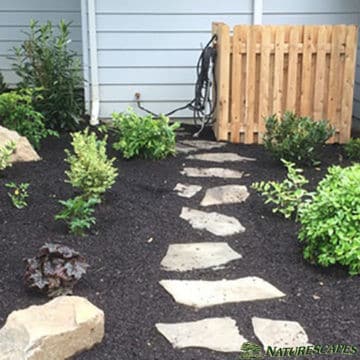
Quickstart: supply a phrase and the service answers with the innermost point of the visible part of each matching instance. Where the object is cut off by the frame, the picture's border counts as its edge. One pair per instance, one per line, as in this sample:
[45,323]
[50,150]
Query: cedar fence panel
[265,70]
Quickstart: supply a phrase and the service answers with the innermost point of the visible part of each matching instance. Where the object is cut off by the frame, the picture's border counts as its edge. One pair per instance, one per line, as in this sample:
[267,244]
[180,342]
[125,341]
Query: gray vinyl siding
[152,47]
[15,16]
[317,12]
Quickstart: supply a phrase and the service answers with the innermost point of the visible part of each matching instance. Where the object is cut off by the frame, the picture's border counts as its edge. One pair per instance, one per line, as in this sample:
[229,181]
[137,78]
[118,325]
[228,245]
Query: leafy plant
[45,61]
[330,223]
[5,154]
[352,149]
[17,113]
[144,136]
[55,270]
[90,169]
[288,195]
[19,194]
[3,85]
[78,213]
[296,139]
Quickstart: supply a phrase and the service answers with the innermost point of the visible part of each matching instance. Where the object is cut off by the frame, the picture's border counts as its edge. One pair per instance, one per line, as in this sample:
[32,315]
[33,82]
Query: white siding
[15,16]
[152,47]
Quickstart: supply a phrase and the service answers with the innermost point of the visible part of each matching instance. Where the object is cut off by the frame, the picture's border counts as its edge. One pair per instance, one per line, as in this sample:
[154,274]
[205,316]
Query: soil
[125,265]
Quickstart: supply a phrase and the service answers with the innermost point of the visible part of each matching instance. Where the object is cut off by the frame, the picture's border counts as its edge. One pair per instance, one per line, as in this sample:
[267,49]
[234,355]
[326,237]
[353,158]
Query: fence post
[221,127]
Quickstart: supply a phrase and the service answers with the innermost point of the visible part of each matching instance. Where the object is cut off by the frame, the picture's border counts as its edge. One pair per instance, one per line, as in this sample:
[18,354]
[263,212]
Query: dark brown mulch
[124,274]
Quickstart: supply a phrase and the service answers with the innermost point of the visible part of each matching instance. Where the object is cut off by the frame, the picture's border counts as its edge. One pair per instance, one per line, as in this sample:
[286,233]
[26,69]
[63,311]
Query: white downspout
[95,106]
[85,53]
[258,12]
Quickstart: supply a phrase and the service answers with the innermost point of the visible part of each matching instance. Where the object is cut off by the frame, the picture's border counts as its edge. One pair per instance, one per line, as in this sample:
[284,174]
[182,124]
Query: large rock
[57,330]
[24,151]
[226,194]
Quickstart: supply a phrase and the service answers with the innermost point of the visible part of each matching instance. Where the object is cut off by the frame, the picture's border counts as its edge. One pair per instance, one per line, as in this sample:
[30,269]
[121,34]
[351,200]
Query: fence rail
[265,70]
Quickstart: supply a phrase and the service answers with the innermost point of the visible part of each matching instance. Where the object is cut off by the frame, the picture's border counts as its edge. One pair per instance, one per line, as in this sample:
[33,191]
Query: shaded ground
[125,268]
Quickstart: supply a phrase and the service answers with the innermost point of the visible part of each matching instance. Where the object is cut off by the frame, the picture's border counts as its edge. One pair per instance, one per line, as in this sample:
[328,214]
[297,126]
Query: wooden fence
[265,70]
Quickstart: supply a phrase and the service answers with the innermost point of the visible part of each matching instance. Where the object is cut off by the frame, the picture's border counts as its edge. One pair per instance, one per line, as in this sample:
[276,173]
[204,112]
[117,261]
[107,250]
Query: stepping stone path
[279,333]
[226,194]
[201,293]
[217,224]
[186,257]
[187,191]
[220,157]
[219,334]
[212,172]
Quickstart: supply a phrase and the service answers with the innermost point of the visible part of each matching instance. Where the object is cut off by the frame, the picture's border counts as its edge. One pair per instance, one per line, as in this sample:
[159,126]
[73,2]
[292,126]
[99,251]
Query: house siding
[15,16]
[152,47]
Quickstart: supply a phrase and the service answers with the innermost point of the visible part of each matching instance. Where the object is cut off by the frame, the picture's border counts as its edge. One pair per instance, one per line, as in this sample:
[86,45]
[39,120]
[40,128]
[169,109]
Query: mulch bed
[125,267]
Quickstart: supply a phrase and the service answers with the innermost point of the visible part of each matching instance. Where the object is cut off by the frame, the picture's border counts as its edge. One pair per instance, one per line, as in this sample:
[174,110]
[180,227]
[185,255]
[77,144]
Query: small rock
[316,297]
[212,172]
[217,224]
[57,330]
[187,191]
[24,151]
[226,194]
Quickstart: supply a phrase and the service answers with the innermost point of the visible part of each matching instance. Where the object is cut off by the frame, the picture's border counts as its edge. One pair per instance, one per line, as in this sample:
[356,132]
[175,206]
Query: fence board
[263,70]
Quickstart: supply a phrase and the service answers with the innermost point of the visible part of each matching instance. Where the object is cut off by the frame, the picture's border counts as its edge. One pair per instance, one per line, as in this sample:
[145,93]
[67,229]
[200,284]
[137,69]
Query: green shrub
[17,113]
[144,136]
[330,223]
[55,270]
[44,61]
[5,153]
[296,139]
[3,85]
[352,149]
[287,195]
[78,213]
[19,194]
[90,169]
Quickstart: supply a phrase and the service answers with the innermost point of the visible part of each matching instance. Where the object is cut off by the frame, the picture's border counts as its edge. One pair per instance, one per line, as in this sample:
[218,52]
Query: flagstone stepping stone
[279,333]
[226,194]
[217,224]
[186,257]
[220,157]
[201,293]
[219,334]
[184,149]
[203,144]
[187,191]
[212,172]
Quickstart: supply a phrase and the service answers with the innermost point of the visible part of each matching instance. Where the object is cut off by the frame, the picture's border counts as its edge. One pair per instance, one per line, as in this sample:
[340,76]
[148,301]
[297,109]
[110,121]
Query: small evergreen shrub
[78,213]
[90,169]
[3,85]
[55,270]
[17,113]
[45,61]
[288,195]
[144,136]
[296,139]
[5,154]
[330,223]
[352,149]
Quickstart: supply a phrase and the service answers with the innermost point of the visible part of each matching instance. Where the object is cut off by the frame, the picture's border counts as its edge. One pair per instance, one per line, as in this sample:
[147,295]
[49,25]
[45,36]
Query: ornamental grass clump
[330,222]
[144,136]
[297,139]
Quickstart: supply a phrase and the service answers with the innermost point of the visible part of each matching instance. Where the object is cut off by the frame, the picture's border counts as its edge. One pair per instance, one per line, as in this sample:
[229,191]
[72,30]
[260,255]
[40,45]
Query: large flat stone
[212,172]
[186,257]
[217,224]
[226,194]
[187,191]
[220,157]
[57,330]
[201,293]
[279,333]
[219,334]
[203,144]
